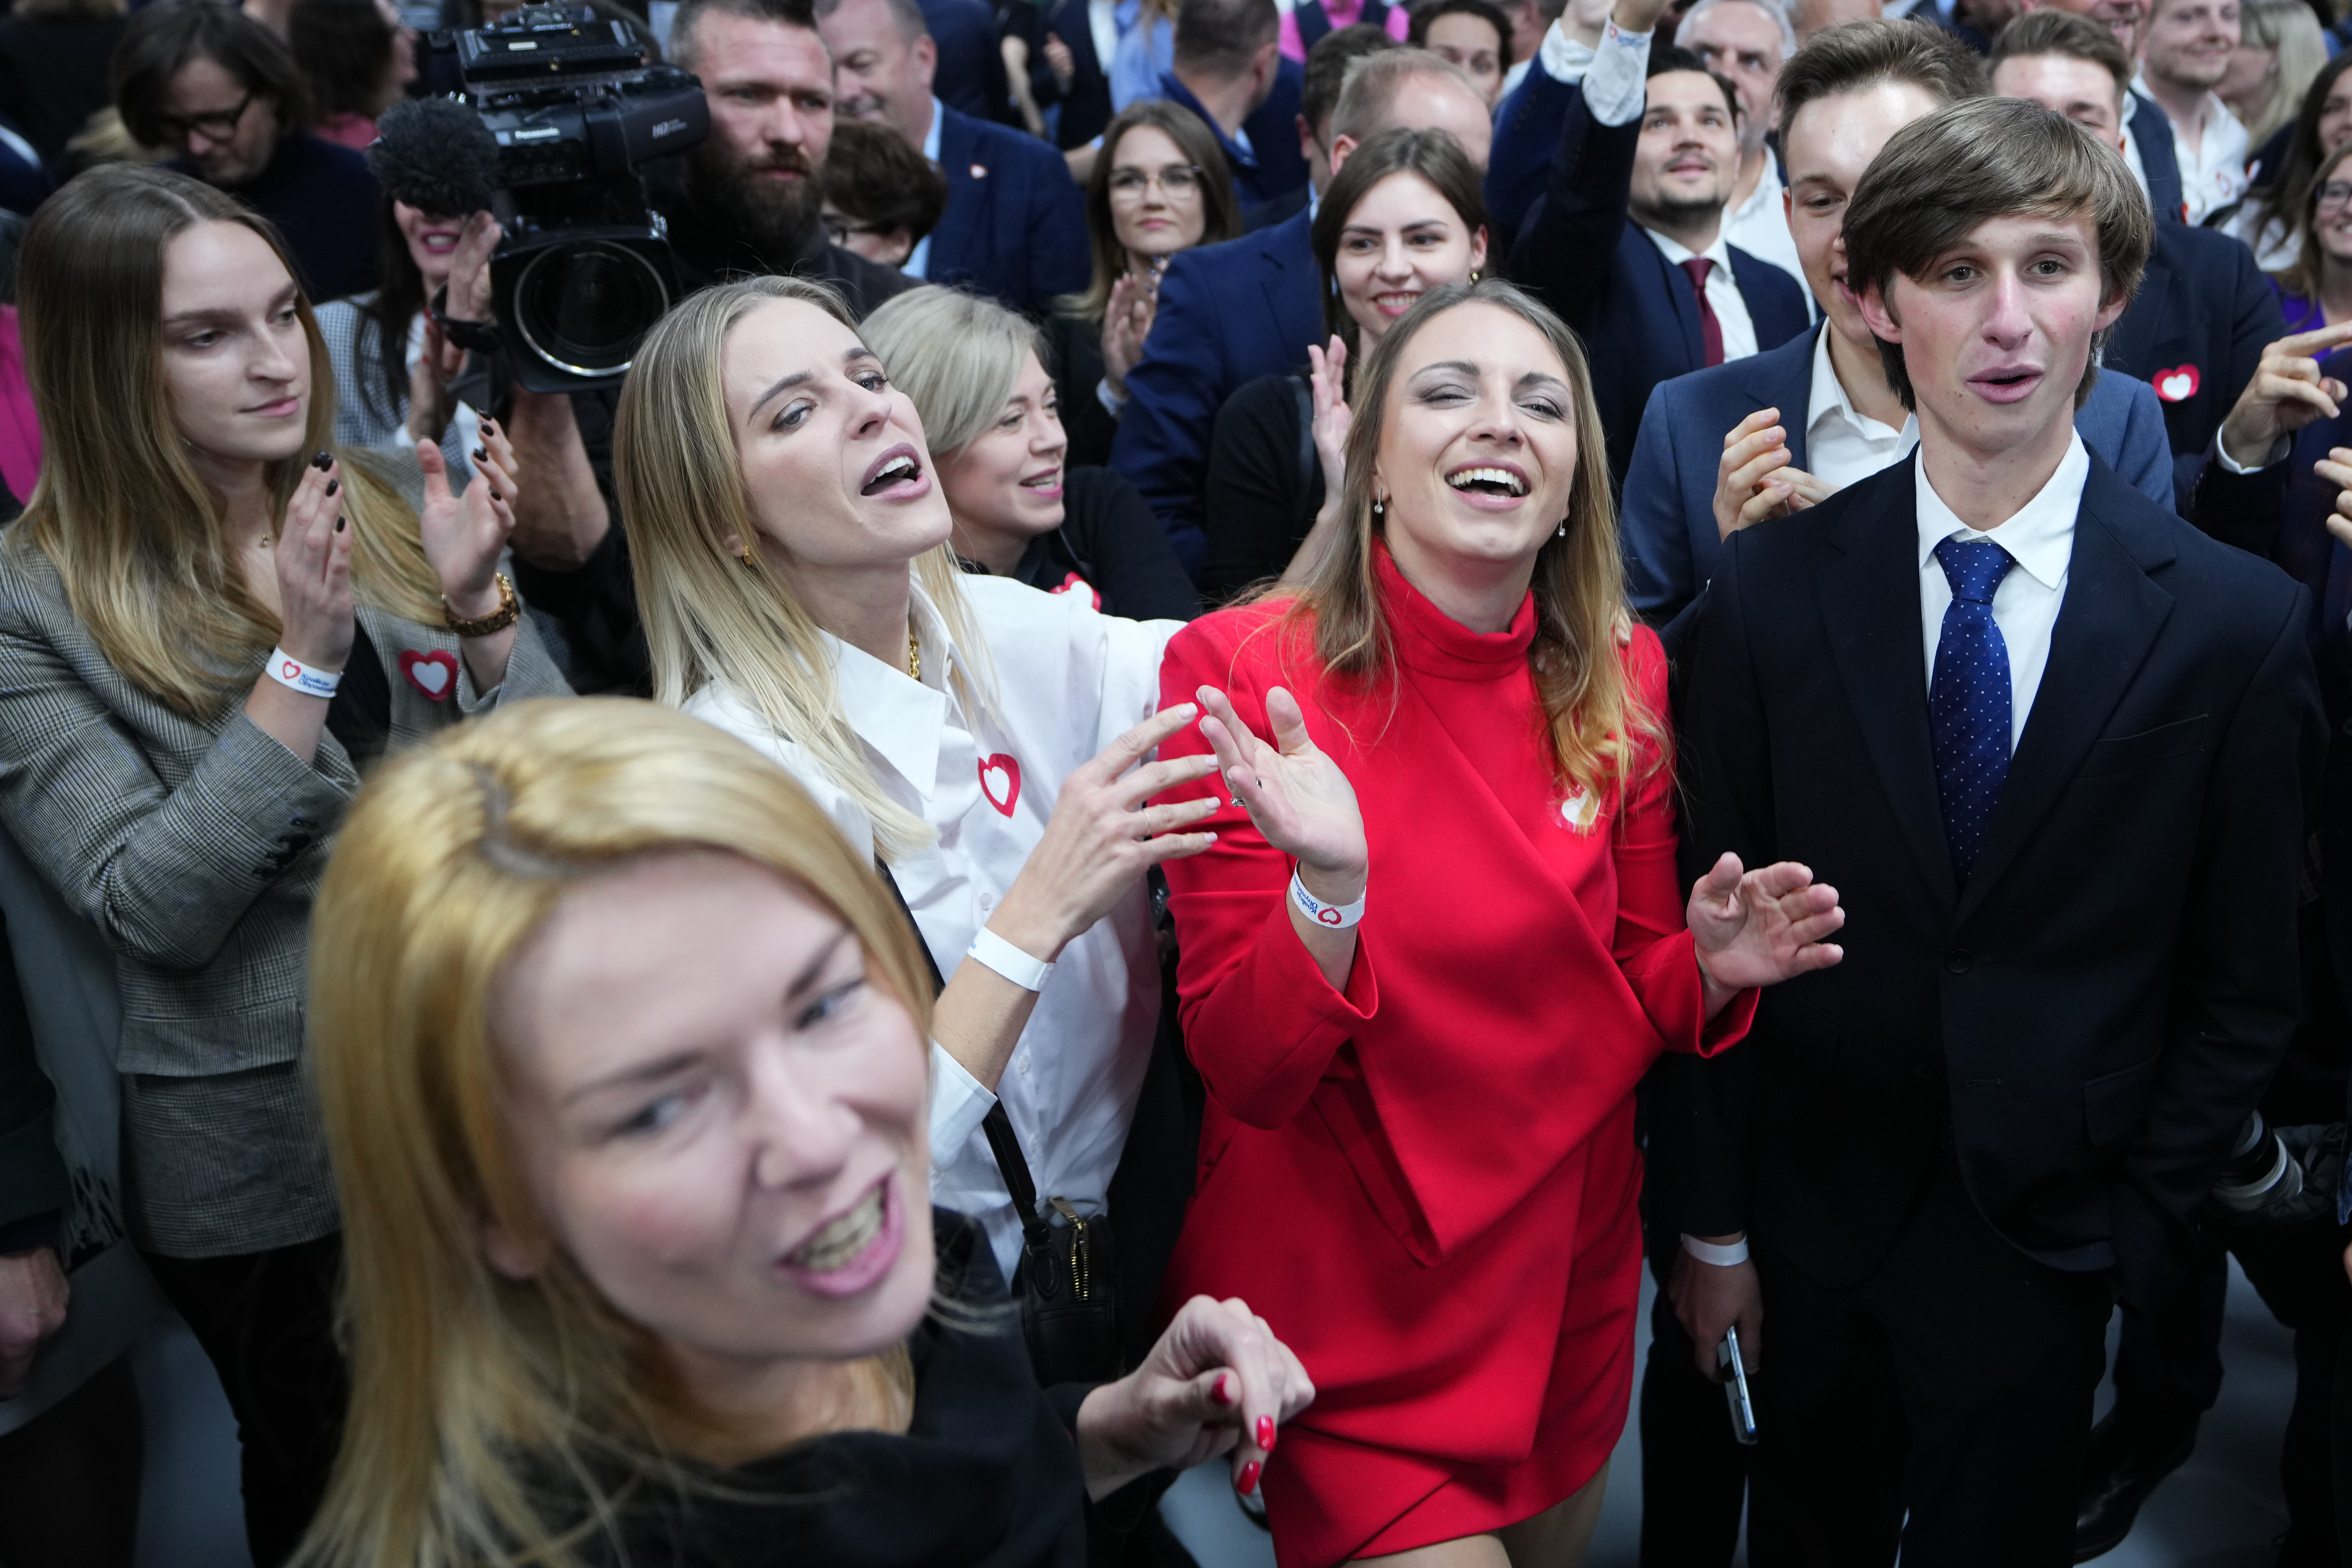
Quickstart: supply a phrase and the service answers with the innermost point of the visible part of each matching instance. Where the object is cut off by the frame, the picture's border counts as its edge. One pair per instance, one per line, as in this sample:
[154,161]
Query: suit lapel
[1869,598]
[955,240]
[1681,301]
[1790,389]
[2132,346]
[2110,615]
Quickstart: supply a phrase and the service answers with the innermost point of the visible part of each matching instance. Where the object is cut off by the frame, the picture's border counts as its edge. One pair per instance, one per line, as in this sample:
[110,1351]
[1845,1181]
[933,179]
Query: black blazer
[1086,102]
[2195,332]
[2086,1024]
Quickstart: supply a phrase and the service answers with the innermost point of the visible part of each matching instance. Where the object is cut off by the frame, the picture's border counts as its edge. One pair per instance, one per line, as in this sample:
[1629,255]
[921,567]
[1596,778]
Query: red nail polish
[1266,1433]
[1219,1392]
[1248,1483]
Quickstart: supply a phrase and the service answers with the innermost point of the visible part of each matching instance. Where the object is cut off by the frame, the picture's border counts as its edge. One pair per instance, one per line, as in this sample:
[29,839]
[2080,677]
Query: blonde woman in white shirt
[979,737]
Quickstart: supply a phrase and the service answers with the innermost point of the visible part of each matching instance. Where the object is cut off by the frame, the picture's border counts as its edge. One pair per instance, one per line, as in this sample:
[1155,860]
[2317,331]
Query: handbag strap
[1002,1141]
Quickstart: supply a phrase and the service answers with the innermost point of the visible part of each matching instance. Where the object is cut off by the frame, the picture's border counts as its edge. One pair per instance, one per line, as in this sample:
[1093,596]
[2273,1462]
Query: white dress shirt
[920,259]
[2131,153]
[1843,444]
[1614,73]
[2212,169]
[1102,25]
[1067,681]
[1722,291]
[2040,539]
[1759,226]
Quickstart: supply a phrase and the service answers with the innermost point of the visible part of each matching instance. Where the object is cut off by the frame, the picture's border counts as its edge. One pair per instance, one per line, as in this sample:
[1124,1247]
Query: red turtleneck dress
[1425,1183]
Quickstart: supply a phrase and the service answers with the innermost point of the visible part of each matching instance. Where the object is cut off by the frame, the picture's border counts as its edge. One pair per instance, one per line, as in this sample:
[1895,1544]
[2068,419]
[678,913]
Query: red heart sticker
[1000,781]
[1074,583]
[2178,385]
[434,674]
[290,669]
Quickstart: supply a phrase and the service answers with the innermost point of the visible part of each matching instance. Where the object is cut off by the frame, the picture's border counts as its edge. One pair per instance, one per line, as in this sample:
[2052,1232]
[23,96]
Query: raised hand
[1102,838]
[1218,1382]
[313,560]
[1761,927]
[1126,322]
[1754,481]
[1060,61]
[1296,794]
[2287,392]
[1333,418]
[464,535]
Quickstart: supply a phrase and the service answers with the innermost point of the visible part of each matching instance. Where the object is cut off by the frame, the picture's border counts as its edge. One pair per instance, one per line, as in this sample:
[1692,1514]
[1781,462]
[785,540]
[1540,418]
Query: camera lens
[585,307]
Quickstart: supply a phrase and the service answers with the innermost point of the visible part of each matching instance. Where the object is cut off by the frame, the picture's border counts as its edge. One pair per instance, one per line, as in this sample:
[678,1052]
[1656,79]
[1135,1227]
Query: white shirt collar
[1676,252]
[1828,400]
[899,720]
[1768,191]
[2039,537]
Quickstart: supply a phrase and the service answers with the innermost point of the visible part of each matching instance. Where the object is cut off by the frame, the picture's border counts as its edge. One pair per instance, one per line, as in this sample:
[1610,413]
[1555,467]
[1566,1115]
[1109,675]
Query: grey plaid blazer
[196,848]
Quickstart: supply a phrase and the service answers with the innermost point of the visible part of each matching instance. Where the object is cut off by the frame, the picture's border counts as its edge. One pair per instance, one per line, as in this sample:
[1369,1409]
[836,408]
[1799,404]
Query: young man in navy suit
[1230,70]
[2053,748]
[1627,243]
[1722,449]
[1229,313]
[2204,312]
[1015,226]
[2147,129]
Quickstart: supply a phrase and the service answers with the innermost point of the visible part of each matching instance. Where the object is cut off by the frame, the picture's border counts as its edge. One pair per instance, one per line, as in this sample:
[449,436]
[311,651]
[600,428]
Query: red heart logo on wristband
[434,674]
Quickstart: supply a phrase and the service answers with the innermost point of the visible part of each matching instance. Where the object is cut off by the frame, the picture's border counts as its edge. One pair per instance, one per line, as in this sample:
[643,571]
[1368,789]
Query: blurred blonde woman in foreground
[620,1047]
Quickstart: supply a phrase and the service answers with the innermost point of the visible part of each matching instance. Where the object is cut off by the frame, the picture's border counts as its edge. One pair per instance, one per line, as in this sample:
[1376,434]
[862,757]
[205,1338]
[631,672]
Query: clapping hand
[313,560]
[1126,322]
[2287,392]
[1218,1382]
[2336,469]
[1296,794]
[1760,928]
[465,534]
[1333,420]
[1754,481]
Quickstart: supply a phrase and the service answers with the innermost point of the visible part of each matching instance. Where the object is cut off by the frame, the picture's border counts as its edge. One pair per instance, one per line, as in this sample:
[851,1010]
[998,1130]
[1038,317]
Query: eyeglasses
[1176,182]
[219,125]
[840,229]
[2334,193]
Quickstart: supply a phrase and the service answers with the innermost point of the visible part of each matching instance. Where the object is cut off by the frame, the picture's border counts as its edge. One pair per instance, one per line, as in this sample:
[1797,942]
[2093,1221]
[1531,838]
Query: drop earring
[749,559]
[1562,533]
[1378,506]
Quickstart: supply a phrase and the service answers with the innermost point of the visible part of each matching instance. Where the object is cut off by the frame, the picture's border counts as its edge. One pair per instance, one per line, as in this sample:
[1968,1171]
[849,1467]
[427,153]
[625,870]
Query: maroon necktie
[1710,330]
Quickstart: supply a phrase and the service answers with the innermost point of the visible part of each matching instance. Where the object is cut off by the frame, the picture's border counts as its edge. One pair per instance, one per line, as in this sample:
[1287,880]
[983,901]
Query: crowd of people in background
[1280,687]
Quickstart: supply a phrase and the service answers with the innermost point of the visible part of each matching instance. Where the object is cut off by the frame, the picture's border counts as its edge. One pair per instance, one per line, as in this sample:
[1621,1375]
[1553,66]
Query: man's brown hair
[2051,31]
[1859,54]
[1373,81]
[1941,177]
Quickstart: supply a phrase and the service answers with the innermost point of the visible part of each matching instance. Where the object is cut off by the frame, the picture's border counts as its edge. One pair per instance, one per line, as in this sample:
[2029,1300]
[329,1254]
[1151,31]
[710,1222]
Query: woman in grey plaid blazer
[178,787]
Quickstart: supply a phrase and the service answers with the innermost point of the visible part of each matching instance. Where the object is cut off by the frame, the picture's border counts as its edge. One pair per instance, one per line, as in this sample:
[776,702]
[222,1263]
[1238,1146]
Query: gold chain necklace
[914,655]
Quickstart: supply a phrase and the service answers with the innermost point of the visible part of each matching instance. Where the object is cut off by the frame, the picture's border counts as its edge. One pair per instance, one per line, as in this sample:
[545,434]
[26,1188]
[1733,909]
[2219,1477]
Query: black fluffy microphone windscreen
[436,156]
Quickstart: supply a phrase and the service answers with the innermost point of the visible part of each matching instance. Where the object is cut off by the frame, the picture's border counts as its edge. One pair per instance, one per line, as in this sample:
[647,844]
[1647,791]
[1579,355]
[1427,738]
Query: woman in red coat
[1419,1162]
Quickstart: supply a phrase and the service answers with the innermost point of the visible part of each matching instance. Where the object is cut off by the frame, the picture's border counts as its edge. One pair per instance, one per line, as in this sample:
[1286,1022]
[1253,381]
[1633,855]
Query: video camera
[584,269]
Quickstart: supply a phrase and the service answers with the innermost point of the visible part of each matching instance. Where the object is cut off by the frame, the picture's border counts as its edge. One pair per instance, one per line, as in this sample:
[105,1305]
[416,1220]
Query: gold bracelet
[508,612]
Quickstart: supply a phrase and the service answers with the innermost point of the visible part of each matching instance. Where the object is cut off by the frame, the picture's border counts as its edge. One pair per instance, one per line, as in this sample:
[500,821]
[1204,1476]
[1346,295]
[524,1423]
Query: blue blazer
[2151,131]
[1667,518]
[970,77]
[2195,332]
[1527,125]
[1228,314]
[1271,167]
[1637,314]
[1015,225]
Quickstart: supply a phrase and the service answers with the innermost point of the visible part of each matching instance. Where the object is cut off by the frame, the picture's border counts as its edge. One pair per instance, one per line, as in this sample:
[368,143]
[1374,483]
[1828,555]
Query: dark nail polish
[322,462]
[491,426]
[1248,1483]
[334,485]
[494,494]
[480,455]
[1266,1433]
[339,525]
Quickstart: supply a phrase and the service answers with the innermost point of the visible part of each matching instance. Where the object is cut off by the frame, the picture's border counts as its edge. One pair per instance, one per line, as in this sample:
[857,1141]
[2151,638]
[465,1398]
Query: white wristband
[996,952]
[1330,916]
[289,672]
[1721,1256]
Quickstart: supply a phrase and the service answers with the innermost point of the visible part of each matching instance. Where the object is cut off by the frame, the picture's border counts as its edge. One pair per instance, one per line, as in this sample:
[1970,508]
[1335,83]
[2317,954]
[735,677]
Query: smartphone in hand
[1734,1372]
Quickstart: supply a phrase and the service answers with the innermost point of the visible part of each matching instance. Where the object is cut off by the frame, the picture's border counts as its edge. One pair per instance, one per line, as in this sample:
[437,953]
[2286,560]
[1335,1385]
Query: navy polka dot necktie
[1968,703]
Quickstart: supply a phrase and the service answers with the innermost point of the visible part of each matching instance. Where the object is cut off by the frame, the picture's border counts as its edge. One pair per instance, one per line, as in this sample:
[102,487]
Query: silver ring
[1237,801]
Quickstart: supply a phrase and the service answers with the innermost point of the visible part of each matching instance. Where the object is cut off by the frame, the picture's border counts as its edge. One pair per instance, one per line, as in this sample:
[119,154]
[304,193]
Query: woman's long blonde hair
[709,615]
[489,1416]
[119,509]
[1601,731]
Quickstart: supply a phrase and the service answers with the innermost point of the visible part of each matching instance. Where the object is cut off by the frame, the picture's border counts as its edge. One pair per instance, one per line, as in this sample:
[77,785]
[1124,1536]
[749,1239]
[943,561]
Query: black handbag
[1065,1279]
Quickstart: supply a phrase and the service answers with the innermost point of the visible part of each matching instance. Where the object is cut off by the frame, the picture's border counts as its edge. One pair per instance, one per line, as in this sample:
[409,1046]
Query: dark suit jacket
[1667,517]
[2084,1024]
[1271,168]
[1228,314]
[2151,131]
[970,77]
[1015,225]
[2205,309]
[1637,313]
[1527,126]
[1086,102]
